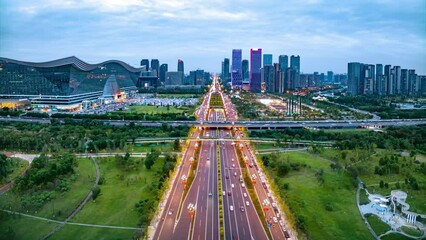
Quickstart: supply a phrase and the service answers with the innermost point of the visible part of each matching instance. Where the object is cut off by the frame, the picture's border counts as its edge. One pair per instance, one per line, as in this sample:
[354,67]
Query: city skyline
[335,31]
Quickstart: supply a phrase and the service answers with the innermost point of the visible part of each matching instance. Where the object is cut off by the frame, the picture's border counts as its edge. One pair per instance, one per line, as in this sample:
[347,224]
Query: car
[223,193]
[233,165]
[232,185]
[229,193]
[242,209]
[269,195]
[170,212]
[245,194]
[243,185]
[231,208]
[275,219]
[227,176]
[235,174]
[232,159]
[210,194]
[247,203]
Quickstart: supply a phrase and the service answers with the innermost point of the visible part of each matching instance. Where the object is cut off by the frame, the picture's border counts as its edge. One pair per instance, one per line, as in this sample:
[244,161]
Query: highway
[165,227]
[240,217]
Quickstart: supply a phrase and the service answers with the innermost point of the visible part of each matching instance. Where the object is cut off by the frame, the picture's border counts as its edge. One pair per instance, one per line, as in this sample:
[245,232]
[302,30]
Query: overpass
[247,124]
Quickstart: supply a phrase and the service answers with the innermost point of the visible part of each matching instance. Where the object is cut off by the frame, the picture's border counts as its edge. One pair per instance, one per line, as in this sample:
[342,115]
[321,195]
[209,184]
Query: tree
[176,145]
[382,184]
[150,159]
[3,167]
[96,191]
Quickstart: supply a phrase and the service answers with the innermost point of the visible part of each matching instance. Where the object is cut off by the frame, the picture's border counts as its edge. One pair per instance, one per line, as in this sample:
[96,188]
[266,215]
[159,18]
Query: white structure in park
[387,209]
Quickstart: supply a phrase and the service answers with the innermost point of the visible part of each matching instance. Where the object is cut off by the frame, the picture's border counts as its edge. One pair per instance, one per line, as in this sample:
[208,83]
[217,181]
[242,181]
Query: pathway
[71,223]
[79,207]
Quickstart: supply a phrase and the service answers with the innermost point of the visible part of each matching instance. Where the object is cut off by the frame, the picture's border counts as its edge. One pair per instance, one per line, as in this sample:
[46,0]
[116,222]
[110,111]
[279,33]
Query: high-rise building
[283,61]
[330,76]
[245,71]
[295,62]
[369,79]
[412,87]
[145,63]
[225,71]
[396,79]
[155,67]
[269,77]
[267,59]
[255,72]
[163,69]
[236,68]
[174,78]
[180,67]
[404,81]
[354,78]
[389,86]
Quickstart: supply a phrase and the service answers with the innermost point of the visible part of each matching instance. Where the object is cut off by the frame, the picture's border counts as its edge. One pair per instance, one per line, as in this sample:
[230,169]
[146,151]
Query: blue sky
[326,34]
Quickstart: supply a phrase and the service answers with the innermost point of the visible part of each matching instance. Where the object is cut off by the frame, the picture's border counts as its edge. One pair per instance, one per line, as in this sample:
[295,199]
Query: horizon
[203,34]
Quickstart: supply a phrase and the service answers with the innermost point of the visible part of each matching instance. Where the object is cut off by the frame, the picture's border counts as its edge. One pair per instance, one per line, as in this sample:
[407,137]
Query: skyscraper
[145,62]
[295,62]
[269,77]
[236,73]
[378,86]
[245,71]
[330,76]
[283,61]
[155,67]
[225,70]
[267,59]
[255,72]
[388,80]
[163,70]
[354,78]
[180,67]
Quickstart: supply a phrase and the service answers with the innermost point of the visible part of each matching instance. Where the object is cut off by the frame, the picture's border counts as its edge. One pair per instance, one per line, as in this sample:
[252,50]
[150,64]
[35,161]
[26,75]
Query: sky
[325,34]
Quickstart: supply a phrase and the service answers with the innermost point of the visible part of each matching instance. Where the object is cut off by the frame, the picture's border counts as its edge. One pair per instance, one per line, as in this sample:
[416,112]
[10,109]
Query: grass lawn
[307,199]
[261,146]
[157,110]
[59,208]
[115,206]
[20,227]
[378,225]
[16,167]
[395,236]
[411,231]
[146,147]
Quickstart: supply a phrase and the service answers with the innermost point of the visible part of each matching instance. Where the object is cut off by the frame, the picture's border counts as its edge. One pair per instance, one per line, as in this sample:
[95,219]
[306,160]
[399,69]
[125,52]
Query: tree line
[77,136]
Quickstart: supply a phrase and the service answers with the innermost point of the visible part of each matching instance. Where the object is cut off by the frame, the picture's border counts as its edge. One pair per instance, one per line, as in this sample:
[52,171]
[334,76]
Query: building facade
[64,83]
[255,69]
[236,69]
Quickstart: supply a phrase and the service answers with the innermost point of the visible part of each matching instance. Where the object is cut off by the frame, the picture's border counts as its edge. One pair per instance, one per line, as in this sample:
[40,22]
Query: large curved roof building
[64,81]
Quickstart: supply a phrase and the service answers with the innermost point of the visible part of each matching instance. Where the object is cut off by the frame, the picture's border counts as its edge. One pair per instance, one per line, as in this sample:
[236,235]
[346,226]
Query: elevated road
[249,124]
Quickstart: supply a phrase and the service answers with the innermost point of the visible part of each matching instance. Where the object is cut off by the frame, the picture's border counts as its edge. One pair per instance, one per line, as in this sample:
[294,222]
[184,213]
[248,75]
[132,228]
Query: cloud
[204,32]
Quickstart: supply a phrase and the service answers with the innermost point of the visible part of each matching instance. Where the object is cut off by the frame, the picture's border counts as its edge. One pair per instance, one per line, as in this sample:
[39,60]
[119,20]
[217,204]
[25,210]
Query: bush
[96,191]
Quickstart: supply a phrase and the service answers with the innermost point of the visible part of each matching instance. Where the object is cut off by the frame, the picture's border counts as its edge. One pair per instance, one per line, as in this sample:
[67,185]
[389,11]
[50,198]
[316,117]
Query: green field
[158,110]
[411,231]
[378,225]
[115,205]
[59,208]
[324,210]
[395,236]
[146,147]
